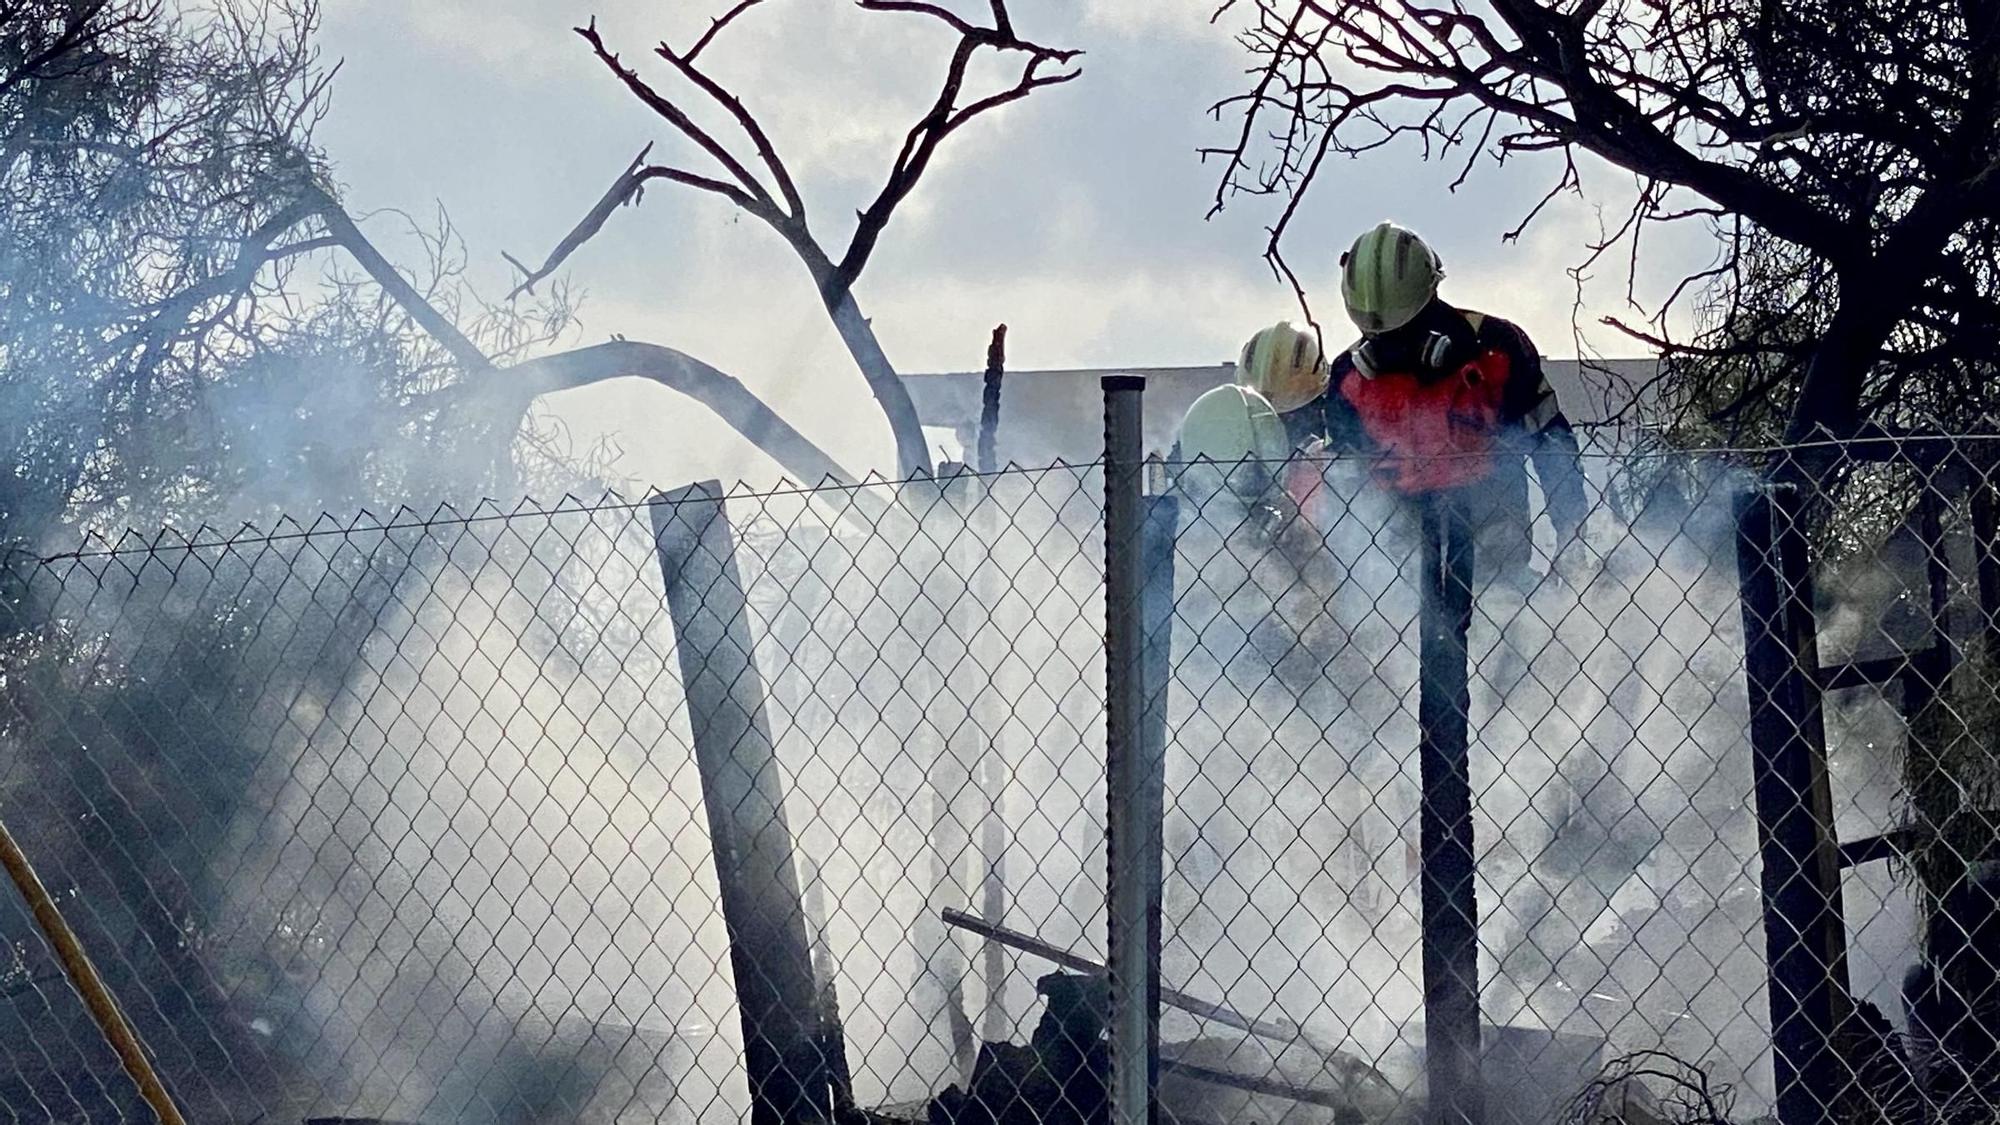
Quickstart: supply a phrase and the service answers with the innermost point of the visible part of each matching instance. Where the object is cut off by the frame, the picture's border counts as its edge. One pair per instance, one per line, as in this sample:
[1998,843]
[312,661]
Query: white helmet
[1230,423]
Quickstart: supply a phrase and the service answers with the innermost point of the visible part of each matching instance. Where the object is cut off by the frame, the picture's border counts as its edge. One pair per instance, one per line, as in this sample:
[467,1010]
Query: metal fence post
[1132,763]
[1801,867]
[743,792]
[1450,905]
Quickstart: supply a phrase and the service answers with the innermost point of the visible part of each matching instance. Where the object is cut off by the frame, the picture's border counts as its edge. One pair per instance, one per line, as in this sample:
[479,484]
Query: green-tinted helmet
[1230,423]
[1387,278]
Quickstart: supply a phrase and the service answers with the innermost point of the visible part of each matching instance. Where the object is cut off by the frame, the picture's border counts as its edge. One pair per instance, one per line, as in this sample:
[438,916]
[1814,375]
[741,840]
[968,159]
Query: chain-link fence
[618,811]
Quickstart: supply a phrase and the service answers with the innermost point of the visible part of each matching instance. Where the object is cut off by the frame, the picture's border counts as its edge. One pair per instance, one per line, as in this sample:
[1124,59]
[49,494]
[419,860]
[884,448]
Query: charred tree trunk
[989,401]
[859,335]
[947,659]
[991,716]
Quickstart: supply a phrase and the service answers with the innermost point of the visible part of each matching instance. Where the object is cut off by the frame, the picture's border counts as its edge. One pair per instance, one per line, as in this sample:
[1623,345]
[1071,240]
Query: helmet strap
[1363,356]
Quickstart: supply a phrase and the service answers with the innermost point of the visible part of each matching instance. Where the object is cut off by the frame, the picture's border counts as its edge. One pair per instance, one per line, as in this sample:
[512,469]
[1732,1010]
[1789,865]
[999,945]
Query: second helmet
[1230,423]
[1283,364]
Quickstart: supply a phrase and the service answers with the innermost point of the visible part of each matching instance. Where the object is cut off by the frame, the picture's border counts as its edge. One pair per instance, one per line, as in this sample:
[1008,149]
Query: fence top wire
[172,540]
[206,536]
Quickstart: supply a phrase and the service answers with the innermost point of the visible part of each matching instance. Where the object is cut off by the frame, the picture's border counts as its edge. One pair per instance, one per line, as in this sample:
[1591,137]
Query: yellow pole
[83,977]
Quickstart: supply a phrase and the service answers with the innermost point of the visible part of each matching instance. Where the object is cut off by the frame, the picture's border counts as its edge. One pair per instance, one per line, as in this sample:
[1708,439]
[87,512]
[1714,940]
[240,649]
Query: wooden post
[83,976]
[1132,787]
[1279,1031]
[1803,922]
[989,400]
[743,792]
[832,1037]
[990,718]
[1450,903]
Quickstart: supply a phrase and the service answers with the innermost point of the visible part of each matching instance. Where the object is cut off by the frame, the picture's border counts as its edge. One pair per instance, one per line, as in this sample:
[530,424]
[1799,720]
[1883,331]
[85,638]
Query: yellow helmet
[1283,364]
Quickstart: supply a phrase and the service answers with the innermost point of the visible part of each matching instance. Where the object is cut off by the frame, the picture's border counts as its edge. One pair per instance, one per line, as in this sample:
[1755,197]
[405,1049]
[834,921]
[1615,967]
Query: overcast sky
[1076,216]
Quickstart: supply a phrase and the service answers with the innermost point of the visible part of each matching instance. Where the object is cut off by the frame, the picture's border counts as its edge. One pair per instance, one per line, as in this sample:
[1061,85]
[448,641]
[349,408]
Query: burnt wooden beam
[742,790]
[1804,933]
[1277,1030]
[1899,842]
[1880,672]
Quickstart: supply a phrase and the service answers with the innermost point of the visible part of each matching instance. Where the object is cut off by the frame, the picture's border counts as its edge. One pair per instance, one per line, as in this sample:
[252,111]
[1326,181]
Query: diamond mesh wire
[404,818]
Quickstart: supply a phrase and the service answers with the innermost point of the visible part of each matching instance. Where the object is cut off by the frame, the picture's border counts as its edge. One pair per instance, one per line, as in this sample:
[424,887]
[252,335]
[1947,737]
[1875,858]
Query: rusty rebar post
[83,976]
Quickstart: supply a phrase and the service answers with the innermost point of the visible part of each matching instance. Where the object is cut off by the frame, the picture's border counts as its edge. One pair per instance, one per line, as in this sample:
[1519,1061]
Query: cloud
[518,43]
[1189,19]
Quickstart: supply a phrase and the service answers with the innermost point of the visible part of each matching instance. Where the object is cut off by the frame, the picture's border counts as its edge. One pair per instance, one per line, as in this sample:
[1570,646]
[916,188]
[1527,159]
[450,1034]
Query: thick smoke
[1617,844]
[446,859]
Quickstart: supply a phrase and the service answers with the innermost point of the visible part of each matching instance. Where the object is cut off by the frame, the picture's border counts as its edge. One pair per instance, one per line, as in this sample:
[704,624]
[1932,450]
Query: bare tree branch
[168,318]
[660,104]
[1274,254]
[833,277]
[1733,105]
[78,32]
[923,138]
[1030,82]
[342,229]
[627,188]
[677,371]
[795,208]
[517,384]
[951,20]
[715,27]
[1662,343]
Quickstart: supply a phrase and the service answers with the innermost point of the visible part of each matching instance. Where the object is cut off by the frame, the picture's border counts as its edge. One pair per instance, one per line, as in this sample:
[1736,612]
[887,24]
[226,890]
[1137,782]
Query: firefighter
[1283,364]
[1446,400]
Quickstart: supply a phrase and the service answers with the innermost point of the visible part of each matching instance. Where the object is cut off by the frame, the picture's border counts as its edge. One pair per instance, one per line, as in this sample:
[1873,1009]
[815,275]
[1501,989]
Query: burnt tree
[750,173]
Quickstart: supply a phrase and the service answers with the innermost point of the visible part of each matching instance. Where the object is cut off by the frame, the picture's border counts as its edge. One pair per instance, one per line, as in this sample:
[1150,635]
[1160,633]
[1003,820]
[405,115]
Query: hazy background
[1075,216]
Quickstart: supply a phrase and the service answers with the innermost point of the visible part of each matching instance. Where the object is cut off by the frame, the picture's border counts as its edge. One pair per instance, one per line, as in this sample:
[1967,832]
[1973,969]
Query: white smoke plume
[469,877]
